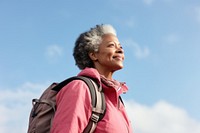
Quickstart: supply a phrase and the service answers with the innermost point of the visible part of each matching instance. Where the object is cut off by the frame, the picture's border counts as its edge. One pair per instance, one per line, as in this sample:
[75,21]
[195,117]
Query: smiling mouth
[118,58]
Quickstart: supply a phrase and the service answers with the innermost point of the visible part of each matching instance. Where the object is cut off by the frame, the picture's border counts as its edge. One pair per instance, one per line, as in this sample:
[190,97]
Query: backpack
[44,108]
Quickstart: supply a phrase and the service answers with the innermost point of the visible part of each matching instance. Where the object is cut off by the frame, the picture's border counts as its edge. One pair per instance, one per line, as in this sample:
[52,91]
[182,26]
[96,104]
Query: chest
[115,119]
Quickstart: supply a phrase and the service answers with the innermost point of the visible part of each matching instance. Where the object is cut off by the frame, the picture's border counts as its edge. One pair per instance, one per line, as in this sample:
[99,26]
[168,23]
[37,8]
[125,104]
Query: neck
[107,74]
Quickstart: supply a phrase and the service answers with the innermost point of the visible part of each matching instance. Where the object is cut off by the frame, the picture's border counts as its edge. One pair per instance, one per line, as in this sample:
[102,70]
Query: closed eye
[111,45]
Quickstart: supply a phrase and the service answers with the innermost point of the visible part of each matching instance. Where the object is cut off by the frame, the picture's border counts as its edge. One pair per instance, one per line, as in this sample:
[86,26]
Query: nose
[120,49]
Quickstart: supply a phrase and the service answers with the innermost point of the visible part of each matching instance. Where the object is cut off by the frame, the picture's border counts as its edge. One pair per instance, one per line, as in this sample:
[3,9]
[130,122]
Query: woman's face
[110,55]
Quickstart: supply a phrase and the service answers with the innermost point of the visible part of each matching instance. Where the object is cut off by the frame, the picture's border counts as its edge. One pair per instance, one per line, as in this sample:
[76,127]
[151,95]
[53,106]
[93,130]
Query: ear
[92,56]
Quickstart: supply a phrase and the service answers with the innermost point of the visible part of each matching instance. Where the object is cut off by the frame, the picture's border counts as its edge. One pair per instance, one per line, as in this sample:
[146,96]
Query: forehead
[109,38]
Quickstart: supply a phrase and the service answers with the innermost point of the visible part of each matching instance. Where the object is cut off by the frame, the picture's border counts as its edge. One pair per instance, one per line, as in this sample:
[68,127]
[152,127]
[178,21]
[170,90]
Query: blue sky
[161,42]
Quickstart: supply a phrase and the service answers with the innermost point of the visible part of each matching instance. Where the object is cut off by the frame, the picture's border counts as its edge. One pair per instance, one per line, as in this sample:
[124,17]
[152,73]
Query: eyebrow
[114,42]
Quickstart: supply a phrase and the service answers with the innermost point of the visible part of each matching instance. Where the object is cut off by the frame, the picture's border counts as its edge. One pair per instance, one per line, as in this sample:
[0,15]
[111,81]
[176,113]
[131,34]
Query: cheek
[106,54]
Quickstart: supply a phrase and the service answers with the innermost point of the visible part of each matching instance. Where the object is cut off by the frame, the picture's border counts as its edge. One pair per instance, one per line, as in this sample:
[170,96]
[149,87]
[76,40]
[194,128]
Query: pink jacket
[74,108]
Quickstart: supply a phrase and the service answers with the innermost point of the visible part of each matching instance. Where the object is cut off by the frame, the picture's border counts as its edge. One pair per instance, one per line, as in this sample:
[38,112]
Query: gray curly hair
[89,41]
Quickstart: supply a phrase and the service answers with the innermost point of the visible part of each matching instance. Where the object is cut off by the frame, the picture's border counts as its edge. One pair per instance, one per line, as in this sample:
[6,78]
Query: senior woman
[98,53]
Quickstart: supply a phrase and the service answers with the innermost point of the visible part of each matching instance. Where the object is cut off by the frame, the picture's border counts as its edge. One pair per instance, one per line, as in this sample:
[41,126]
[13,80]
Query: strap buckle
[94,117]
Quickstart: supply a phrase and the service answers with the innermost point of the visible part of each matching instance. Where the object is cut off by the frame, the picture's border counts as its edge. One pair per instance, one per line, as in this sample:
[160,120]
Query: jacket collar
[119,87]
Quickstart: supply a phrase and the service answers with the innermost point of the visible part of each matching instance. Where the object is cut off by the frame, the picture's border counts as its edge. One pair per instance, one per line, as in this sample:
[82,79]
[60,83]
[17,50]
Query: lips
[118,57]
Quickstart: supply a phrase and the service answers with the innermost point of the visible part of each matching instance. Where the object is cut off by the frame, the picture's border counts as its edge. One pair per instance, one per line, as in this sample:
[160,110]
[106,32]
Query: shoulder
[90,72]
[76,89]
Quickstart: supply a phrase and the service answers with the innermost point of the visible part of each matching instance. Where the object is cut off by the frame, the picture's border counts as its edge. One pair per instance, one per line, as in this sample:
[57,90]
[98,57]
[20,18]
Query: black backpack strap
[97,98]
[120,98]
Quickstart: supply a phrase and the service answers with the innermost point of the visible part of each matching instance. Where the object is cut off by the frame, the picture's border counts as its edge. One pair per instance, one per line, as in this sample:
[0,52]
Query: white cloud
[138,51]
[15,105]
[162,117]
[53,52]
[148,2]
[172,38]
[130,23]
[197,13]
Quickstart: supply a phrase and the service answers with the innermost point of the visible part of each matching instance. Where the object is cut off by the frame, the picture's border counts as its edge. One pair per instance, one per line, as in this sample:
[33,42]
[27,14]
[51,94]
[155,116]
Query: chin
[119,67]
